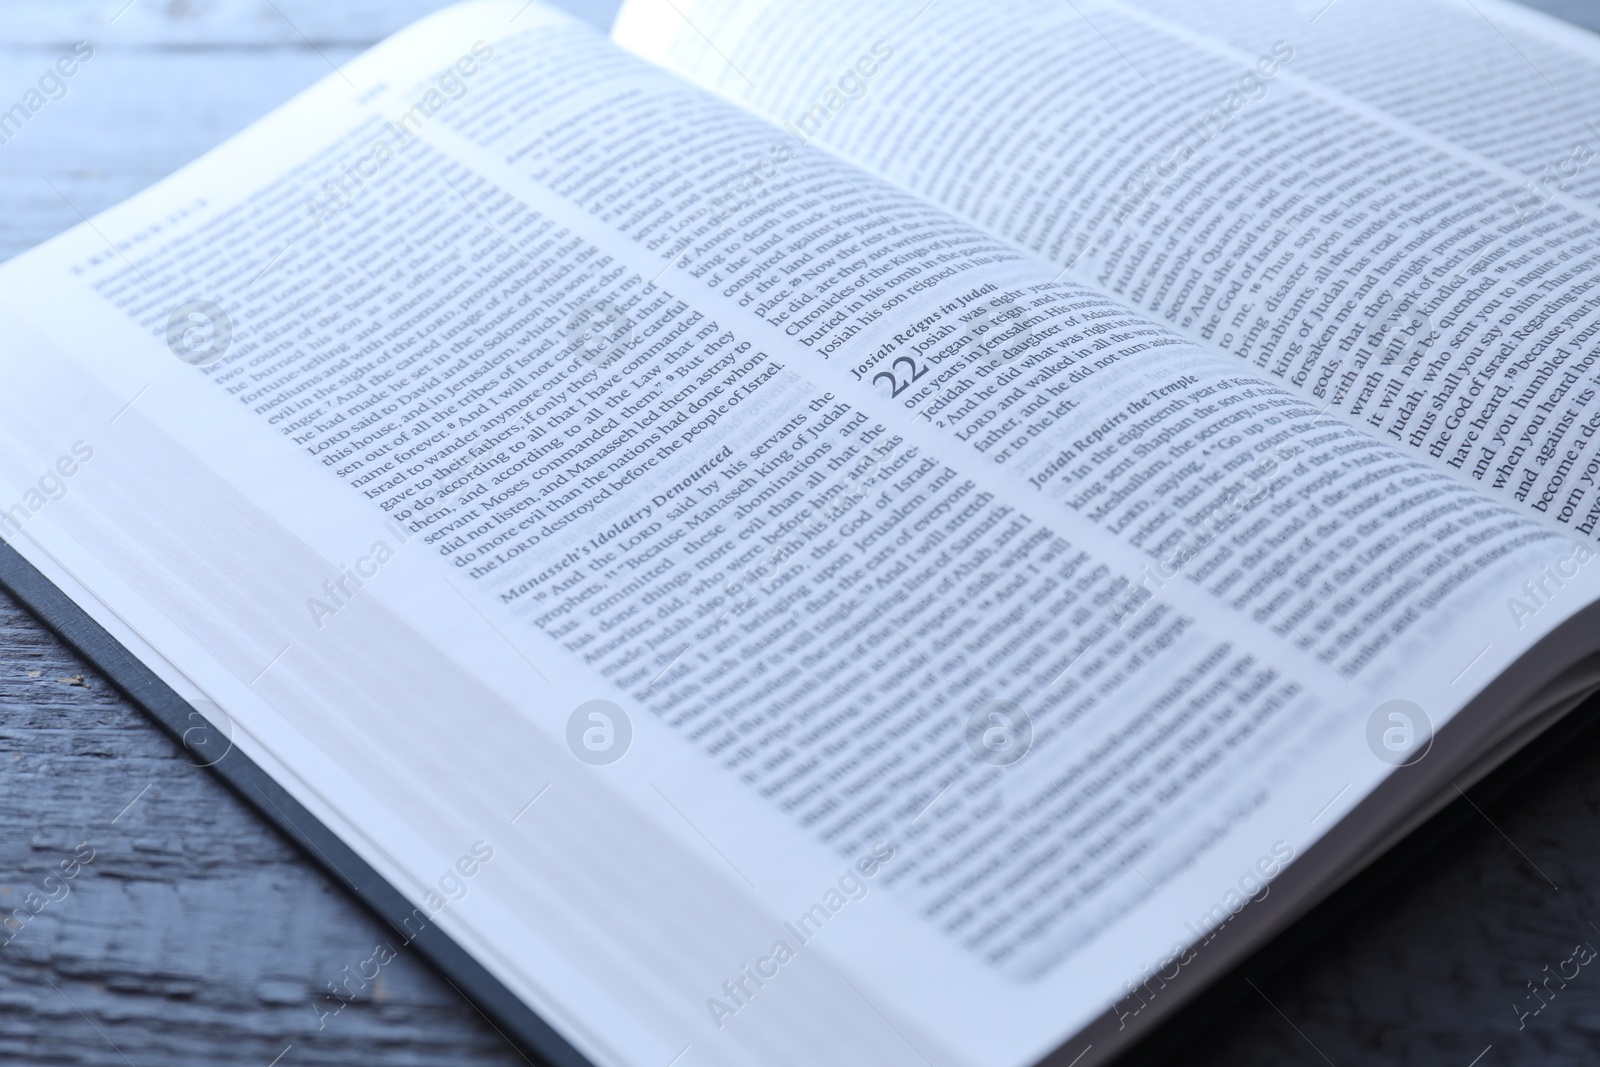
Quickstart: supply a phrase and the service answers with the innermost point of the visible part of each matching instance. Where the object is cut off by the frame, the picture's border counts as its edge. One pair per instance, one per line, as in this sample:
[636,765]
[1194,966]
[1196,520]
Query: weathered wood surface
[197,936]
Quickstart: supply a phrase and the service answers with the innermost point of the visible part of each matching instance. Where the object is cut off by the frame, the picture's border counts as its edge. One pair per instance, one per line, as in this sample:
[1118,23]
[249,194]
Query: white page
[1408,283]
[1496,77]
[426,710]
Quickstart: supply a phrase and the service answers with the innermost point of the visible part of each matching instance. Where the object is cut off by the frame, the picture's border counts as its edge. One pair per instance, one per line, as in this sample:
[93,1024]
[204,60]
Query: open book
[915,534]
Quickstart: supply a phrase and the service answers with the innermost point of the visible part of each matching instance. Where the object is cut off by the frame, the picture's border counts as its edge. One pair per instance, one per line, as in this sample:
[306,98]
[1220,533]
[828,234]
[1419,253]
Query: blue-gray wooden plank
[196,936]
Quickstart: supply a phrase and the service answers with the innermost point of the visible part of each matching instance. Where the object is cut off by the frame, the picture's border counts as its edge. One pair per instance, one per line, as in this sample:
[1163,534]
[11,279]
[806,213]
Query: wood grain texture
[196,936]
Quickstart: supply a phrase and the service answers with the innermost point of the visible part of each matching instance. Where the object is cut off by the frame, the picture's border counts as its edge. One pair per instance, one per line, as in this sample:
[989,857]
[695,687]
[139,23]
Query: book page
[1507,82]
[1425,289]
[824,615]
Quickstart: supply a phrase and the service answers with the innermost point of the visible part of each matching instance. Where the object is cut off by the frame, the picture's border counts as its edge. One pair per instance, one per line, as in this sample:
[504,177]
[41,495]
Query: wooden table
[197,936]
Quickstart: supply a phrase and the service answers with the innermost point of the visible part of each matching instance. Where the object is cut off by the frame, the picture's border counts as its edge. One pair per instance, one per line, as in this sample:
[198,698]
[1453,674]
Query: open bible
[809,534]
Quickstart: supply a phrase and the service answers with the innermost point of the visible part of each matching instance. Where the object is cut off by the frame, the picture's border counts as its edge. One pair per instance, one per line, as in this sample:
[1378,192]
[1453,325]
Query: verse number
[896,385]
